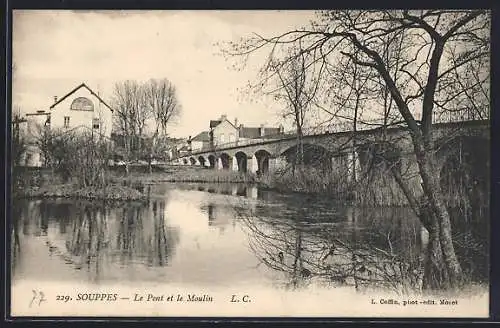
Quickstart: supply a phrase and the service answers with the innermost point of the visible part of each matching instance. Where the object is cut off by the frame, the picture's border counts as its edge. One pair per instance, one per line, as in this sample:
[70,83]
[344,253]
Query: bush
[79,157]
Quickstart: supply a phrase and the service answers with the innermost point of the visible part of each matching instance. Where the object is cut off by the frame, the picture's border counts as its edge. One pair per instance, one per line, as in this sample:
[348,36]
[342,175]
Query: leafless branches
[306,251]
[408,66]
[144,109]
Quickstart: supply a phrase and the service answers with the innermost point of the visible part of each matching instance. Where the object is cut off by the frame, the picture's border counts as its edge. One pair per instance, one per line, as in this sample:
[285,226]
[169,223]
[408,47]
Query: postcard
[255,163]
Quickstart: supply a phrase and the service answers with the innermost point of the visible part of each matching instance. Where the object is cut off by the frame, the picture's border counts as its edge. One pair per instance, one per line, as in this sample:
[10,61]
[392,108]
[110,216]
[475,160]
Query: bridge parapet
[275,145]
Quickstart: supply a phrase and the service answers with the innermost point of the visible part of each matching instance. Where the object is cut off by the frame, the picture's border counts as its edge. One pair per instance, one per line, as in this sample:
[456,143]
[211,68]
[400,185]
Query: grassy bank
[36,183]
[111,192]
[43,183]
[181,174]
[378,191]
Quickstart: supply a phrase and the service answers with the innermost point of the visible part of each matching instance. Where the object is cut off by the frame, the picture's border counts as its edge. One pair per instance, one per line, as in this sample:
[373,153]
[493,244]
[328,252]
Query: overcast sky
[54,51]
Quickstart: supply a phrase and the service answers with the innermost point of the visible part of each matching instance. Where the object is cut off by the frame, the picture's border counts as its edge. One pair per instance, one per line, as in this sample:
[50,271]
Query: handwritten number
[34,297]
[37,295]
[42,298]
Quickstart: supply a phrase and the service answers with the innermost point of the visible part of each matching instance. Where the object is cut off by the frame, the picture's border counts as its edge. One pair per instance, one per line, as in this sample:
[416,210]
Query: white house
[79,110]
[222,131]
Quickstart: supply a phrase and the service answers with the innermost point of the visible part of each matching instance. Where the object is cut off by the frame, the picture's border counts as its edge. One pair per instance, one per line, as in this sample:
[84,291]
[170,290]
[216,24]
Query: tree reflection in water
[97,236]
[136,234]
[384,251]
[15,250]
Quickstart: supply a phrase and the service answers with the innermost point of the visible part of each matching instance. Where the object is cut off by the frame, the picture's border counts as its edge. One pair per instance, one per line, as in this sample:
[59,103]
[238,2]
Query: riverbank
[181,174]
[109,193]
[42,183]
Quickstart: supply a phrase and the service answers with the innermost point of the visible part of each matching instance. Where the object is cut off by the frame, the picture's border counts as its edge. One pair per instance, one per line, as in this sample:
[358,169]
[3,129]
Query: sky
[54,51]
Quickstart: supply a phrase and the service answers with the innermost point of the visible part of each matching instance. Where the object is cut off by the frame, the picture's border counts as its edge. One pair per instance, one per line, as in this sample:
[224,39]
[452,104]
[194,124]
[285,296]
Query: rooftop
[202,136]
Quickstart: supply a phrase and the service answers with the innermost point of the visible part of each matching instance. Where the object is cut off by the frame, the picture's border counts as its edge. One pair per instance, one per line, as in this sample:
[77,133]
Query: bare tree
[131,115]
[433,49]
[163,104]
[144,109]
[19,147]
[292,83]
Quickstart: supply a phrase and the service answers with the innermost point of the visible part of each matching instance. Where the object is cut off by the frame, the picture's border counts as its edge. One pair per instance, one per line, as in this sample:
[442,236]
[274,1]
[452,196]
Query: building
[79,110]
[200,141]
[223,132]
[82,108]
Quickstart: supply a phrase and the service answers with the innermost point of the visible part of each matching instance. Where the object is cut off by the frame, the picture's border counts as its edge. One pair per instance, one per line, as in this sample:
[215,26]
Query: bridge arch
[241,159]
[464,167]
[263,157]
[314,155]
[226,161]
[185,161]
[376,167]
[379,157]
[211,160]
[192,160]
[202,160]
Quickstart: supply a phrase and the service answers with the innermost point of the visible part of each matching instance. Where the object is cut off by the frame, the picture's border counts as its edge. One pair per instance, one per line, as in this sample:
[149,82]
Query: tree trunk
[151,150]
[299,155]
[436,219]
[435,272]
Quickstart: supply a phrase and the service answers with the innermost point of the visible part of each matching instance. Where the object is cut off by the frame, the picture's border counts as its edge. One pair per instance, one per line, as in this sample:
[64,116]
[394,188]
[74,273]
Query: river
[223,237]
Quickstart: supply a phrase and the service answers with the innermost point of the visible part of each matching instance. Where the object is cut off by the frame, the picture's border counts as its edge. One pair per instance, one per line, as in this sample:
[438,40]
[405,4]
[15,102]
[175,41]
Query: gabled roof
[83,85]
[202,136]
[214,123]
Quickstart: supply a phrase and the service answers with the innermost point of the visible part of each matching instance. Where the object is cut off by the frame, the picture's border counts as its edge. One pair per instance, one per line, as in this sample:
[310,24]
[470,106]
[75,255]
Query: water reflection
[230,189]
[98,237]
[376,252]
[228,235]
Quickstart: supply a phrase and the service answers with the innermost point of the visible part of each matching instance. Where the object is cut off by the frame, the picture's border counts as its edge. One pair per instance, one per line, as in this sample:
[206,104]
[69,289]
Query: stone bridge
[347,151]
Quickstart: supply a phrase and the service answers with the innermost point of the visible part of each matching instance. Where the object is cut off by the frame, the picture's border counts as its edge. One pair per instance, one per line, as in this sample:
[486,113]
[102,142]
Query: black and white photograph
[250,163]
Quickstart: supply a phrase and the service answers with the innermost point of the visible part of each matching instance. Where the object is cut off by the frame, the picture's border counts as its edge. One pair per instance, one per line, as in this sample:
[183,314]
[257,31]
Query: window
[221,138]
[95,123]
[66,121]
[82,103]
[231,137]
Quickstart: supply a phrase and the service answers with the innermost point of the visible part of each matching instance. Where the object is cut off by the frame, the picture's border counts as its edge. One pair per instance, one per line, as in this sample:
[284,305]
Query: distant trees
[19,147]
[144,109]
[164,106]
[412,68]
[19,142]
[131,113]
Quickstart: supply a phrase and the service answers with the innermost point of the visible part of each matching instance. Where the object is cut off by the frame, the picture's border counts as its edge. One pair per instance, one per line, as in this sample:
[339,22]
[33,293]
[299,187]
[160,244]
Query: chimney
[236,122]
[261,130]
[55,99]
[223,117]
[282,129]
